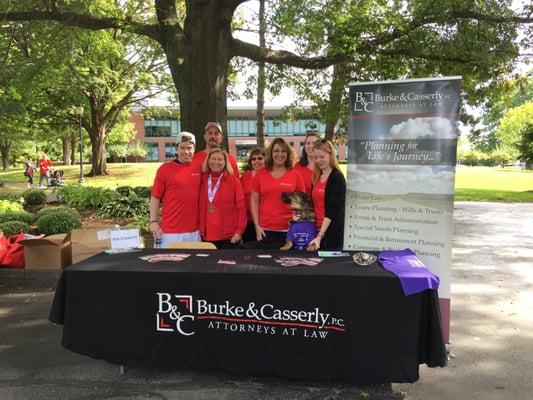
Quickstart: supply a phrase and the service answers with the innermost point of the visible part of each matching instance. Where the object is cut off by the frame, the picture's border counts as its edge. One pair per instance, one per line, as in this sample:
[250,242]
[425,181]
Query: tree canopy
[476,39]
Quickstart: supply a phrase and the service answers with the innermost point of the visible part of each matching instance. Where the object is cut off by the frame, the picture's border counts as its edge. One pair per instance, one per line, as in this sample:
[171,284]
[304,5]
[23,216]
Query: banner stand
[402,144]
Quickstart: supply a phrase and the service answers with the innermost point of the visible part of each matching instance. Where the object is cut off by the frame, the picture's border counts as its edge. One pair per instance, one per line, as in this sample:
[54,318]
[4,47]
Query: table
[333,321]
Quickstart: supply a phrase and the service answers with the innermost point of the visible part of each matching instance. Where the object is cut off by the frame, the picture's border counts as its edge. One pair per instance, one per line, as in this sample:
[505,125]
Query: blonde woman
[221,202]
[329,191]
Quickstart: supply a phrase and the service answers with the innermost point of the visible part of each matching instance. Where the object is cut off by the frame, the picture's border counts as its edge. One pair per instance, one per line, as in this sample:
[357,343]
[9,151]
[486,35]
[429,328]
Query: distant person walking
[44,170]
[213,139]
[29,169]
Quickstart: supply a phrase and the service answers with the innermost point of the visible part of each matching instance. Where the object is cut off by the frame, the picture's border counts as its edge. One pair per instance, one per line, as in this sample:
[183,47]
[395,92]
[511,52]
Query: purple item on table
[414,275]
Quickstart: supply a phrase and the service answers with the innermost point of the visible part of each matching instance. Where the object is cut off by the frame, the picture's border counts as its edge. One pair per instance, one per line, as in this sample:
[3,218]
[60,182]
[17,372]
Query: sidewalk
[491,335]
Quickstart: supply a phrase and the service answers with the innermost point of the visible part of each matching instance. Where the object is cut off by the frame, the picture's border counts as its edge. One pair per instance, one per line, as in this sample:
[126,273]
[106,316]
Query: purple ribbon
[413,274]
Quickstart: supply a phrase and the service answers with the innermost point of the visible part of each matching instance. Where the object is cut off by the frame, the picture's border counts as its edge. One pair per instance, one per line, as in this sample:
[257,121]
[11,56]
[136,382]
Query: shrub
[15,198]
[7,206]
[125,207]
[13,227]
[143,191]
[58,222]
[81,197]
[34,197]
[124,190]
[21,216]
[141,222]
[54,210]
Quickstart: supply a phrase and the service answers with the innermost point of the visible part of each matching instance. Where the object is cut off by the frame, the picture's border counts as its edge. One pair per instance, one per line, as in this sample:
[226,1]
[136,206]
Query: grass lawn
[472,183]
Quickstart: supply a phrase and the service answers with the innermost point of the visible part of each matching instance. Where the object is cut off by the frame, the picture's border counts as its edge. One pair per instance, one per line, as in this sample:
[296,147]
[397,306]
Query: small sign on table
[125,238]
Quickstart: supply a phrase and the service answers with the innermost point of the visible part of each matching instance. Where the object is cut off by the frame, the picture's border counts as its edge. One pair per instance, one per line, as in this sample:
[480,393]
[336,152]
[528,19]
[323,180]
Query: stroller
[56,178]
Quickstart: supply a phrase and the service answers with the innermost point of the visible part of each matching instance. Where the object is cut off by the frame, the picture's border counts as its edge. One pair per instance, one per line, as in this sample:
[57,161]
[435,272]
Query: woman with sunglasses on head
[306,165]
[221,202]
[329,191]
[270,214]
[256,161]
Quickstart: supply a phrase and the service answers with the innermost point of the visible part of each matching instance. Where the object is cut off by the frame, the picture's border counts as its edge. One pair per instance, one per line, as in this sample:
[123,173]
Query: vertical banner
[401,171]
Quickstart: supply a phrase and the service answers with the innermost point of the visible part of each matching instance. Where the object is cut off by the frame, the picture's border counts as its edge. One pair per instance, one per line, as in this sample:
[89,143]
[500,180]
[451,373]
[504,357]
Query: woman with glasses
[329,190]
[306,165]
[221,202]
[270,214]
[256,161]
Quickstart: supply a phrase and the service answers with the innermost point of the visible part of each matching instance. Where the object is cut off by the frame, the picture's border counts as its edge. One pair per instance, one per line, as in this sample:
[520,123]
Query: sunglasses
[257,158]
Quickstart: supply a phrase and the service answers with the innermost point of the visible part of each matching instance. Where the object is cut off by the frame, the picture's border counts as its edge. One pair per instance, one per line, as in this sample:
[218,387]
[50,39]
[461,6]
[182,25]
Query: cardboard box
[87,242]
[50,252]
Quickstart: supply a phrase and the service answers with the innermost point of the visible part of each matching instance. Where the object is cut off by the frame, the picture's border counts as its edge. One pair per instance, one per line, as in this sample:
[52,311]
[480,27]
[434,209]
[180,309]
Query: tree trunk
[98,136]
[72,140]
[66,150]
[333,113]
[201,74]
[261,80]
[5,148]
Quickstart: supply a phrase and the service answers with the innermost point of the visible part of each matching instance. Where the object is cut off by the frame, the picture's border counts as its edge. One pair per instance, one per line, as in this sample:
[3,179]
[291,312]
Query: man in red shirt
[44,170]
[213,138]
[177,185]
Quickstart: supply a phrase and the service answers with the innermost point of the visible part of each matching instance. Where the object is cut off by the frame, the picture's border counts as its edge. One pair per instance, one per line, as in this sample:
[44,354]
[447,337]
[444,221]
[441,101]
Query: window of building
[170,150]
[153,152]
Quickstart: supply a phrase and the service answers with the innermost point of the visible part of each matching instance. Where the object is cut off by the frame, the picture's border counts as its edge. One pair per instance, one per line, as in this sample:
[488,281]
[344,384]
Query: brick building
[158,133]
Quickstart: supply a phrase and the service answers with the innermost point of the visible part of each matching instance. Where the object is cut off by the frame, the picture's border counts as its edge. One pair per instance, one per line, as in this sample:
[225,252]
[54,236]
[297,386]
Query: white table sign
[125,238]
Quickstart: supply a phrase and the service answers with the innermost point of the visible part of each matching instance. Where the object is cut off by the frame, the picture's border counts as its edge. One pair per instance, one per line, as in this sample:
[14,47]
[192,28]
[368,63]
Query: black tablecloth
[333,321]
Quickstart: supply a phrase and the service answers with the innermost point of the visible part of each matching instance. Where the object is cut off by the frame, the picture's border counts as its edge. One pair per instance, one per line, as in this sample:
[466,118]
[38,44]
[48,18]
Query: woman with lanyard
[329,191]
[221,202]
[306,165]
[270,214]
[256,161]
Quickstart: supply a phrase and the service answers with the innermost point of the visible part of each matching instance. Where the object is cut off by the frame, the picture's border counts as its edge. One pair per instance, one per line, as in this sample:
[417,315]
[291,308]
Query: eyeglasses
[257,158]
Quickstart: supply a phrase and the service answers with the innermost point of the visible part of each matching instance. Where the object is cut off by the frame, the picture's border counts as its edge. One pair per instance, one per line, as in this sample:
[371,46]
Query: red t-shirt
[44,166]
[319,202]
[307,175]
[200,157]
[274,214]
[247,181]
[177,186]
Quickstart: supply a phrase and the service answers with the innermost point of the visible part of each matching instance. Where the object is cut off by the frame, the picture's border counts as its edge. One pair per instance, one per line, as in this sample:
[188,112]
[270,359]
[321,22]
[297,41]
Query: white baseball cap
[185,137]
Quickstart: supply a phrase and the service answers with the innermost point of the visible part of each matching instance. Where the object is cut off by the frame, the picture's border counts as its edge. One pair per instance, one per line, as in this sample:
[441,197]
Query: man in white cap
[176,184]
[213,138]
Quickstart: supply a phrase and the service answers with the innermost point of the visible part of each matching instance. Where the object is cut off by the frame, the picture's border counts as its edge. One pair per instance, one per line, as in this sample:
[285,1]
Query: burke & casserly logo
[182,314]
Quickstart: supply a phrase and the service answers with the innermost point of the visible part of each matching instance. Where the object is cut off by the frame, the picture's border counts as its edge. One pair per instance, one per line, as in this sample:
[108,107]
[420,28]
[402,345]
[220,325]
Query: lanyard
[211,192]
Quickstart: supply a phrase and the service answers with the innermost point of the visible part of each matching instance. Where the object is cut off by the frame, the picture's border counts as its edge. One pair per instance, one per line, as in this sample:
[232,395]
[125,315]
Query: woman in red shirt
[329,192]
[305,166]
[221,202]
[270,214]
[256,161]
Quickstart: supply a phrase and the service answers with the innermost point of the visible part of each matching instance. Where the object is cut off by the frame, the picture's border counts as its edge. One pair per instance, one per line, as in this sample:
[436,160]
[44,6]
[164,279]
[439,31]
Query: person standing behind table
[256,161]
[270,214]
[329,191]
[222,209]
[213,138]
[44,170]
[176,184]
[306,165]
[29,169]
